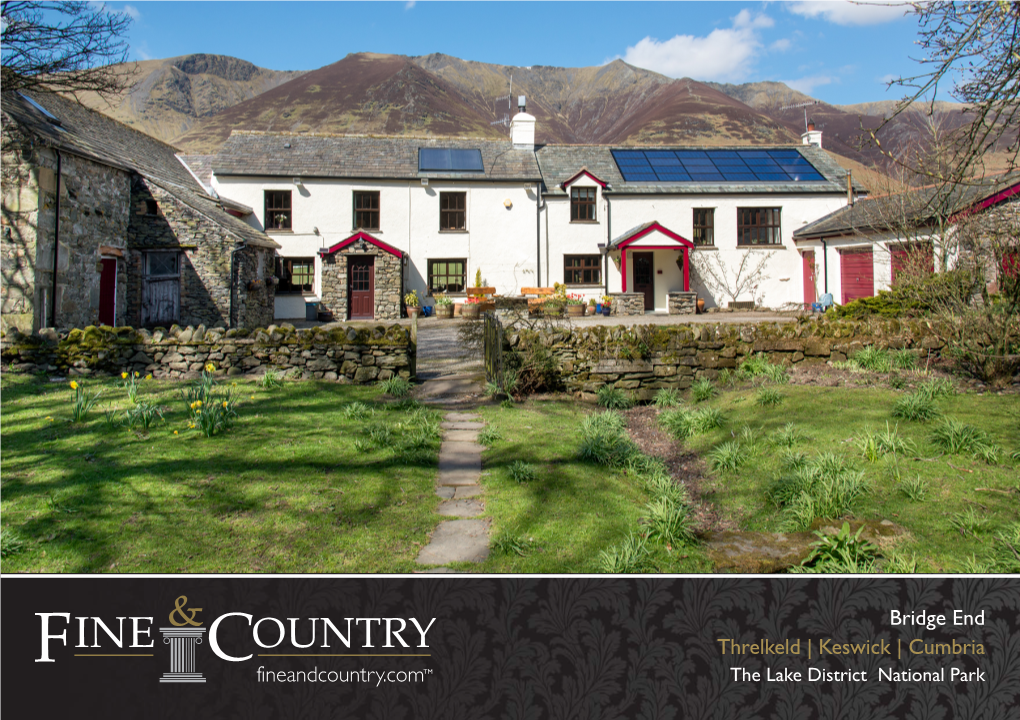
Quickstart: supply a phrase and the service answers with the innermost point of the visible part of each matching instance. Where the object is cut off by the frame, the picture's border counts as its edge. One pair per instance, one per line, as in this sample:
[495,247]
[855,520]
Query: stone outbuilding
[141,241]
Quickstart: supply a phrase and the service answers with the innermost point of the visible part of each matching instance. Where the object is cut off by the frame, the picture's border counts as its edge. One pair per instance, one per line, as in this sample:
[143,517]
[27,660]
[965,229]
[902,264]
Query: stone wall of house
[343,354]
[682,303]
[93,213]
[388,281]
[628,303]
[205,263]
[645,358]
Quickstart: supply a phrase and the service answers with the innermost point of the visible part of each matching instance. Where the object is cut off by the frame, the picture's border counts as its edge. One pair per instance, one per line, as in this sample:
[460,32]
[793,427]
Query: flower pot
[471,311]
[607,309]
[444,312]
[575,310]
[598,308]
[701,305]
[412,312]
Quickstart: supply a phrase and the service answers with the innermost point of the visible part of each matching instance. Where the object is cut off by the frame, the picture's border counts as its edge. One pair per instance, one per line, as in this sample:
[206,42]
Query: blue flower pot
[598,308]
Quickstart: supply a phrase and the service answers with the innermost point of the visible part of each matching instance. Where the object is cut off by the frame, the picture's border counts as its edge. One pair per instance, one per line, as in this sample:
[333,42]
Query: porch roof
[636,233]
[362,235]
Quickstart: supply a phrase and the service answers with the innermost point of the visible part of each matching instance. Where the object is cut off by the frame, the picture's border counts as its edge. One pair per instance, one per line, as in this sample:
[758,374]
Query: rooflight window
[450,160]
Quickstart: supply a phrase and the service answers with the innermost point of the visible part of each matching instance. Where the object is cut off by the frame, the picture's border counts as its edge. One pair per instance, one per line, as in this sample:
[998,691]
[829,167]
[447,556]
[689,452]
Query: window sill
[584,222]
[279,231]
[760,247]
[374,231]
[583,287]
[699,248]
[453,232]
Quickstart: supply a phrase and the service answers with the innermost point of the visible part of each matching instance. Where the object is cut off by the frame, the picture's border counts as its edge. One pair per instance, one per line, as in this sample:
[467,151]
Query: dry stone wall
[644,359]
[343,354]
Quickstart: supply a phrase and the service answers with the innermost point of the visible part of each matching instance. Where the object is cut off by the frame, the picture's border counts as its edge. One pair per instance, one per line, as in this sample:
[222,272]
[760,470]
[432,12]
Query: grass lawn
[294,486]
[964,501]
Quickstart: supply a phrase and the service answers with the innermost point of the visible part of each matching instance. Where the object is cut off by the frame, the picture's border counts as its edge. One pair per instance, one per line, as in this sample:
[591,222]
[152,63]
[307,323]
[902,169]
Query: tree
[64,47]
[748,276]
[975,46]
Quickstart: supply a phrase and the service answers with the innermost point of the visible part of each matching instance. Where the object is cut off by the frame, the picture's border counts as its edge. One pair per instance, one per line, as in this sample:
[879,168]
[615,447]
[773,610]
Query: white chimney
[812,136]
[522,130]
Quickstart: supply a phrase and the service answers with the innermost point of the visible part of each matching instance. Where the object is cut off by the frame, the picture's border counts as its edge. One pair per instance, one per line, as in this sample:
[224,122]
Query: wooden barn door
[161,288]
[361,284]
[858,274]
[809,277]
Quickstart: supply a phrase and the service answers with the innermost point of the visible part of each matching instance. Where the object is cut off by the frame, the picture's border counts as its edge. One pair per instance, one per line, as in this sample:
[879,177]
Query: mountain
[167,97]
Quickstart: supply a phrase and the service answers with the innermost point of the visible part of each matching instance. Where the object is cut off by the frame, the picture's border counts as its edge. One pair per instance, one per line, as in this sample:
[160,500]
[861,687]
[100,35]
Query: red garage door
[911,259]
[858,273]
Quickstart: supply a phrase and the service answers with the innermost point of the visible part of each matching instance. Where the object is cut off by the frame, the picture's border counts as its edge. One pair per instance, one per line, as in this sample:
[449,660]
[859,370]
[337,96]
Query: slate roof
[913,208]
[629,234]
[561,162]
[353,156]
[90,134]
[201,165]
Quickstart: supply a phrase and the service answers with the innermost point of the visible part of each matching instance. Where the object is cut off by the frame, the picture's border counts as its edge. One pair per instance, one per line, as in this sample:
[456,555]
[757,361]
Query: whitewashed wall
[499,240]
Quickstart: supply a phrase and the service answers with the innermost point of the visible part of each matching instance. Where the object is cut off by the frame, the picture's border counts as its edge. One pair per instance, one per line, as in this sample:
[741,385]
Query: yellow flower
[49,418]
[192,406]
[198,403]
[252,397]
[175,432]
[210,367]
[74,385]
[224,403]
[149,376]
[123,376]
[136,373]
[191,426]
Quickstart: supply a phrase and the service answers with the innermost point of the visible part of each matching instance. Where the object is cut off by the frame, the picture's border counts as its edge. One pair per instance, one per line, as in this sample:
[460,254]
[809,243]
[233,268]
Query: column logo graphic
[182,639]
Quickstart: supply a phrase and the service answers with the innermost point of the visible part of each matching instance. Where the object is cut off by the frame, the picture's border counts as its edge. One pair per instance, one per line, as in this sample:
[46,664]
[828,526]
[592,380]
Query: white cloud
[142,51]
[781,45]
[886,79]
[808,84]
[844,12]
[724,54]
[132,12]
[410,4]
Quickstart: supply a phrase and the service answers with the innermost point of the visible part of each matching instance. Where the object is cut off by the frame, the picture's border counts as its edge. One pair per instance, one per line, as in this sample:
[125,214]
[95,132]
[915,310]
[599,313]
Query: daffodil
[210,367]
[74,385]
[123,376]
[175,432]
[49,418]
[224,403]
[198,403]
[149,376]
[136,373]
[252,397]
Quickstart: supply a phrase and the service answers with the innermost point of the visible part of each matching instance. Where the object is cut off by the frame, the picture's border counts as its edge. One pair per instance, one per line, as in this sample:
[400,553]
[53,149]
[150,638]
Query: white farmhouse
[363,220]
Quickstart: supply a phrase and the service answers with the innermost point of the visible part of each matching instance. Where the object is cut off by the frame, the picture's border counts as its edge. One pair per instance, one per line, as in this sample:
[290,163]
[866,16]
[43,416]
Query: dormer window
[582,204]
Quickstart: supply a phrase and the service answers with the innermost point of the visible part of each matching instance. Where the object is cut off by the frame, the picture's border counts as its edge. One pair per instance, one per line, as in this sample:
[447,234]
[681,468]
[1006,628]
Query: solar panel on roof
[451,159]
[715,166]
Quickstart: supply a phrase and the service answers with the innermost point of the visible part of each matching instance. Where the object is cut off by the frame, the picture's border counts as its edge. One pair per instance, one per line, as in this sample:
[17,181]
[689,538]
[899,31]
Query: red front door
[809,277]
[858,274]
[361,284]
[644,277]
[108,292]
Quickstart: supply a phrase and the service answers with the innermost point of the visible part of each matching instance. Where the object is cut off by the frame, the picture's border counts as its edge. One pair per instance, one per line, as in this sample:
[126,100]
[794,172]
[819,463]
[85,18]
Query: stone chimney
[812,136]
[522,128]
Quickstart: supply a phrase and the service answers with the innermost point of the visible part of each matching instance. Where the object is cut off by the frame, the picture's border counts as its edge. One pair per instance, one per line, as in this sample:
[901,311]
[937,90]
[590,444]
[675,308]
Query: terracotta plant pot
[701,305]
[444,312]
[412,312]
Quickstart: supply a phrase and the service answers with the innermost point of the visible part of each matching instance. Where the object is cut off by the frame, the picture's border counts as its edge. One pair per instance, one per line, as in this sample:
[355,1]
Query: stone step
[462,417]
[462,426]
[465,436]
[466,491]
[461,508]
[457,541]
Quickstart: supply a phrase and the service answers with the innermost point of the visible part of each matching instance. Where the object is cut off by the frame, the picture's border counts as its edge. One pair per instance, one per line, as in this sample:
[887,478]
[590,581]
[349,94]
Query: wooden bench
[541,295]
[486,293]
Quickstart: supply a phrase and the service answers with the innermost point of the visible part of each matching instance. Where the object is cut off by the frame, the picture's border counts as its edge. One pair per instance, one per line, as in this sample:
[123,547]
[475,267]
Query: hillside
[167,97]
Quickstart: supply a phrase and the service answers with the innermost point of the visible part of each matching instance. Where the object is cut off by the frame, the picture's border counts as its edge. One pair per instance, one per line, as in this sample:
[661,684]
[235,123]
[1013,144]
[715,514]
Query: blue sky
[836,51]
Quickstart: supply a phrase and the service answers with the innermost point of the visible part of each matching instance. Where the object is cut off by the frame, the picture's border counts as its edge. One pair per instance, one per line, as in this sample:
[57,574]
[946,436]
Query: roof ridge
[285,133]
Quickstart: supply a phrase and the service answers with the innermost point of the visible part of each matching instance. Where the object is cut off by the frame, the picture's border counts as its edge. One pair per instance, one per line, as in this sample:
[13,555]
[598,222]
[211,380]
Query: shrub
[613,398]
[873,359]
[917,407]
[840,553]
[957,438]
[904,359]
[919,295]
[628,557]
[669,522]
[271,379]
[396,387]
[667,397]
[490,436]
[703,390]
[768,397]
[522,472]
[605,447]
[729,455]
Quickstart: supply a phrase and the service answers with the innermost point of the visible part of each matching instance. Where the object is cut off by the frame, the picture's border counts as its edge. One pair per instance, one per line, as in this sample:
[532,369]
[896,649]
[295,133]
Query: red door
[361,281]
[644,277]
[809,277]
[858,274]
[911,258]
[108,292]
